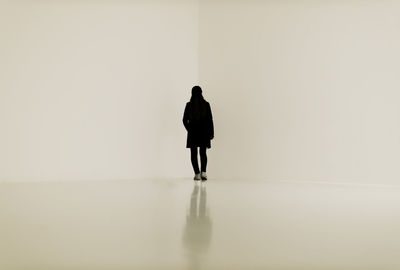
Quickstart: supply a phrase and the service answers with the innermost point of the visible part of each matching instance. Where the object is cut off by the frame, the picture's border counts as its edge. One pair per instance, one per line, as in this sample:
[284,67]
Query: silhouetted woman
[198,122]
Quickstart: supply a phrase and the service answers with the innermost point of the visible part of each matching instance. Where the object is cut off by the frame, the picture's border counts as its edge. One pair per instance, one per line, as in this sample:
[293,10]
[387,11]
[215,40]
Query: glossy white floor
[177,224]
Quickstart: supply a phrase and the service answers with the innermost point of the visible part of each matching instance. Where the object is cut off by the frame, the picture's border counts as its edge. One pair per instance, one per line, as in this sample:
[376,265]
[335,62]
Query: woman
[198,122]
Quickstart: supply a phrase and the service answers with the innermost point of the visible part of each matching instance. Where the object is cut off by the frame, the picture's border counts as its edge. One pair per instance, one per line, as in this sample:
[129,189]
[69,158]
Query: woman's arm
[210,122]
[186,118]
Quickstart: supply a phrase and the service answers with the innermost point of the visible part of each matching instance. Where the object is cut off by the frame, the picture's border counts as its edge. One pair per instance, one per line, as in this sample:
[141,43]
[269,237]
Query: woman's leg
[193,158]
[203,159]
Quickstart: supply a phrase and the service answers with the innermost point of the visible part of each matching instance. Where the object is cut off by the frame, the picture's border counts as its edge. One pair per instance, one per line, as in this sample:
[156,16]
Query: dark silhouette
[198,122]
[197,232]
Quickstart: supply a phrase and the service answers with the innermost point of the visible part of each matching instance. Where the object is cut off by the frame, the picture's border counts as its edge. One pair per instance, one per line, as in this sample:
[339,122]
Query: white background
[300,90]
[303,90]
[95,90]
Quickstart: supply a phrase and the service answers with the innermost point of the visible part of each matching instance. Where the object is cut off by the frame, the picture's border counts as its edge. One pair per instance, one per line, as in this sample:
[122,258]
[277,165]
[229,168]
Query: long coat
[200,131]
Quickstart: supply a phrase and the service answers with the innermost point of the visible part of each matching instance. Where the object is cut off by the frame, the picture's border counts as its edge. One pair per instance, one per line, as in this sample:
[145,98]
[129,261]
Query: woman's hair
[196,93]
[198,104]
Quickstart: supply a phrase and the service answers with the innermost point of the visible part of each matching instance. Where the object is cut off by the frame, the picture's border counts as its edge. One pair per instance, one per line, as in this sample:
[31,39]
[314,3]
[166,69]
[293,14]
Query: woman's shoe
[197,177]
[203,176]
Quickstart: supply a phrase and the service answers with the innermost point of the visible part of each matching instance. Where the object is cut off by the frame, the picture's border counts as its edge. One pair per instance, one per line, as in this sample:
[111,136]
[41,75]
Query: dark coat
[200,128]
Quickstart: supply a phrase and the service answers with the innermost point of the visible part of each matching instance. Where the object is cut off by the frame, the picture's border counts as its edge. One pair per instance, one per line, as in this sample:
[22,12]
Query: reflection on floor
[180,224]
[197,232]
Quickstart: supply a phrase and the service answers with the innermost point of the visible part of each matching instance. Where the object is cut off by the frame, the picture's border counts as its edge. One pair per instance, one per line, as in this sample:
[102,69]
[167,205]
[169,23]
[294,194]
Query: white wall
[95,89]
[303,90]
[300,90]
